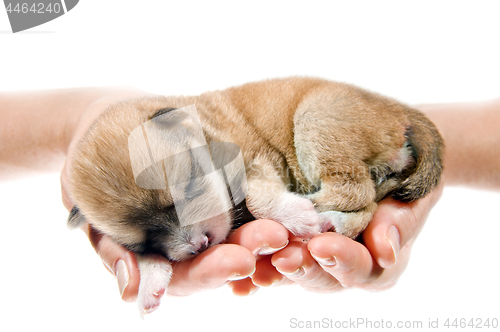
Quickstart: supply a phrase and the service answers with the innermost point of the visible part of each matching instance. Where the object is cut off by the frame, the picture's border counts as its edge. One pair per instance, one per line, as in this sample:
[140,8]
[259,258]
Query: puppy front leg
[269,198]
[156,273]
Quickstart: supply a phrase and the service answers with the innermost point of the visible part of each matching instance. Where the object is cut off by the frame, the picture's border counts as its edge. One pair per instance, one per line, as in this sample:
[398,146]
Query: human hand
[331,262]
[267,254]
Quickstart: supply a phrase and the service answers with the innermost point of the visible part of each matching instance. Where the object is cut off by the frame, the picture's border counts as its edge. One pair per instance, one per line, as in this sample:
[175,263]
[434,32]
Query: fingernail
[330,261]
[253,291]
[238,276]
[266,250]
[297,273]
[393,239]
[122,276]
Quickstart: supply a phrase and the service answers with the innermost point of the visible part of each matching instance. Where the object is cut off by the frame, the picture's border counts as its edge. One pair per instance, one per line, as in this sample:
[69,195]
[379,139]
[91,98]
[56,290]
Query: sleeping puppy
[172,176]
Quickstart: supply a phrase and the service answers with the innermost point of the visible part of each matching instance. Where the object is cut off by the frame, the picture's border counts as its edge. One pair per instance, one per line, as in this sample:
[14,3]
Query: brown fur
[304,133]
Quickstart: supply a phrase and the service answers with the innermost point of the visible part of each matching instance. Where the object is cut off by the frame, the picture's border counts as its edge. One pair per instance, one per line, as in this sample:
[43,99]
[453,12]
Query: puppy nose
[201,244]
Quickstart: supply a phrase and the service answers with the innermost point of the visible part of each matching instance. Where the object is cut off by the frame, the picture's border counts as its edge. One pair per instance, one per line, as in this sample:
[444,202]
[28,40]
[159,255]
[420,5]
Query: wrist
[38,127]
[470,133]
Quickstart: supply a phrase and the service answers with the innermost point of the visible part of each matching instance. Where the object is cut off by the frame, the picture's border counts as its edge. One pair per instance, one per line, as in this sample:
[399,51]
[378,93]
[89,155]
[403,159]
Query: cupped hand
[332,262]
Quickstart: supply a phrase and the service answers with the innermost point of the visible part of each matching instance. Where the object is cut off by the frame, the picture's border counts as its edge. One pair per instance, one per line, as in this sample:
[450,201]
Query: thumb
[118,260]
[396,224]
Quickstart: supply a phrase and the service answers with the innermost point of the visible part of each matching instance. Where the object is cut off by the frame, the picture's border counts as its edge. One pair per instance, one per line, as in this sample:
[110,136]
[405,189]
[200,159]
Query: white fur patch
[155,277]
[298,215]
[336,219]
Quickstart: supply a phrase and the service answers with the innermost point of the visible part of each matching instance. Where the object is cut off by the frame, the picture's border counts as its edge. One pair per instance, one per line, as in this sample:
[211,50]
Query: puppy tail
[75,218]
[427,150]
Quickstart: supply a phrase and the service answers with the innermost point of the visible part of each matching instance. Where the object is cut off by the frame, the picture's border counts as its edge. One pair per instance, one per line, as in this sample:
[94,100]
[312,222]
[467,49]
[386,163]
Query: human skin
[40,129]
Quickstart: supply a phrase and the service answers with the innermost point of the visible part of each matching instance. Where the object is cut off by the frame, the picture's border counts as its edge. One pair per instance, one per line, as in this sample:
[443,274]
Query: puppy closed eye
[162,111]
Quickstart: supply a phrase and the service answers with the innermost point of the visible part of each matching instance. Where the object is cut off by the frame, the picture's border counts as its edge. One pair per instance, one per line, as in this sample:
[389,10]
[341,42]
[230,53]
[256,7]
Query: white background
[416,51]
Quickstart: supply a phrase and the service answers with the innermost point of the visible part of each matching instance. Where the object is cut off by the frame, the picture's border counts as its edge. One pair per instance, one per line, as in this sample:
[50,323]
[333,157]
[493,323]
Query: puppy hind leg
[349,224]
[330,161]
[345,203]
[156,273]
[344,192]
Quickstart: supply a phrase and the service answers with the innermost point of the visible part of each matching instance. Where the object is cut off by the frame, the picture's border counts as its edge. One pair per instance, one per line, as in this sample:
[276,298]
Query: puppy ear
[75,218]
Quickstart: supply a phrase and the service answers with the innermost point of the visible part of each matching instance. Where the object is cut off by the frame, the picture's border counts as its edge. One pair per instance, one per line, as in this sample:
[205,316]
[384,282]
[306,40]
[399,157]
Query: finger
[243,287]
[118,260]
[261,237]
[390,276]
[211,269]
[346,260]
[387,278]
[394,224]
[296,263]
[64,178]
[265,273]
[351,264]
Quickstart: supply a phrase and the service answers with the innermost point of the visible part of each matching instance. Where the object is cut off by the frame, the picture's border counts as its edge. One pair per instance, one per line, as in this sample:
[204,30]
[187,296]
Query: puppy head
[140,176]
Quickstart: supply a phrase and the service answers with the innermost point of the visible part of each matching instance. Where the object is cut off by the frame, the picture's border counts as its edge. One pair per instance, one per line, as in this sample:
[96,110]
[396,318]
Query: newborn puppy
[171,176]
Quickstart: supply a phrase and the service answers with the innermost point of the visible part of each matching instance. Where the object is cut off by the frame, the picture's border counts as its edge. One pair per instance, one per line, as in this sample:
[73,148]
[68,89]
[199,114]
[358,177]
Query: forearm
[36,128]
[471,132]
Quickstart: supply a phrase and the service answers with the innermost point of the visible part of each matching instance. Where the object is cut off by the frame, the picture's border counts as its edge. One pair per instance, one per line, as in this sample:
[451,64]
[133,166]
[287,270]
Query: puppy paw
[299,216]
[334,221]
[349,224]
[156,272]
